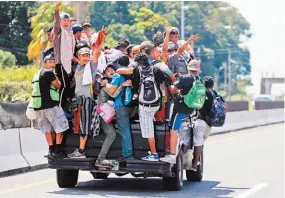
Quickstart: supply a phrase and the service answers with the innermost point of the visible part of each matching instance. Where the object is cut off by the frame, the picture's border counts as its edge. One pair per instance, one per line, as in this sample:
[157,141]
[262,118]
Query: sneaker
[151,157]
[169,158]
[104,163]
[59,155]
[122,158]
[50,154]
[77,154]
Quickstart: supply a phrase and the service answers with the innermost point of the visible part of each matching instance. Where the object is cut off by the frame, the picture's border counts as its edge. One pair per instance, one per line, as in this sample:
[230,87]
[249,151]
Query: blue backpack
[218,111]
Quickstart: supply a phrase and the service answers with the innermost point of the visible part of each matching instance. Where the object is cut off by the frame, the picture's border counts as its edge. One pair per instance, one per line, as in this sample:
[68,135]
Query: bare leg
[59,137]
[49,138]
[151,142]
[82,143]
[173,142]
[197,153]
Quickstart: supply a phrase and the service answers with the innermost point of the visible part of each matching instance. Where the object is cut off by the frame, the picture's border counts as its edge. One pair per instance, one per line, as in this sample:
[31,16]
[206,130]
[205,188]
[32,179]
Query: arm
[97,46]
[56,23]
[165,43]
[55,82]
[136,79]
[125,71]
[111,89]
[186,44]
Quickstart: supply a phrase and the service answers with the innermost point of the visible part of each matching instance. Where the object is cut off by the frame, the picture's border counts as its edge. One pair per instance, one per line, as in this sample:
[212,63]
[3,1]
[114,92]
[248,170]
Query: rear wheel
[66,178]
[100,175]
[198,175]
[175,183]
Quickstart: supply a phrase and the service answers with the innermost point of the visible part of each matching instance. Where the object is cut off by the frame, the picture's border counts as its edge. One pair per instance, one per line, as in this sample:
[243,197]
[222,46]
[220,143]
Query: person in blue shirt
[123,112]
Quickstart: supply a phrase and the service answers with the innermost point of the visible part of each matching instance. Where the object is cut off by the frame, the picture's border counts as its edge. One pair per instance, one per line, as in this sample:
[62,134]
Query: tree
[40,22]
[15,28]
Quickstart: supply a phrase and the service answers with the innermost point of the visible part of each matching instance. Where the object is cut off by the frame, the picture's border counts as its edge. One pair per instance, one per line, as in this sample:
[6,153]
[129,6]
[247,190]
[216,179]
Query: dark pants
[66,91]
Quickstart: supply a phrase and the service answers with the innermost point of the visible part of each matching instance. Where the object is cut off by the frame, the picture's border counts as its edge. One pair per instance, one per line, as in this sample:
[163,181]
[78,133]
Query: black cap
[49,29]
[157,39]
[122,43]
[124,60]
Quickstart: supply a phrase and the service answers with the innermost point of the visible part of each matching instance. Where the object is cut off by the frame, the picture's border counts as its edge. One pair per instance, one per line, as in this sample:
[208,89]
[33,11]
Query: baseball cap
[84,50]
[157,39]
[76,28]
[172,47]
[86,24]
[110,65]
[49,57]
[194,65]
[174,30]
[49,29]
[64,15]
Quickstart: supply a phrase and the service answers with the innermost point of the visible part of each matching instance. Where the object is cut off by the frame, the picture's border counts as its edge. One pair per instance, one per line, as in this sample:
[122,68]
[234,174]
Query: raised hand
[57,5]
[194,37]
[167,28]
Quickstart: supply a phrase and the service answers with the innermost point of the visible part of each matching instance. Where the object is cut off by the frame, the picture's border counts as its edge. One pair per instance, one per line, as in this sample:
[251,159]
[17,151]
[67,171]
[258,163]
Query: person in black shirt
[144,72]
[45,101]
[203,126]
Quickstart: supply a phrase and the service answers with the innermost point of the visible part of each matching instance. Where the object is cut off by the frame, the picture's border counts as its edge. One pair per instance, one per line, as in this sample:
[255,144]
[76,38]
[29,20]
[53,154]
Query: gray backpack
[148,90]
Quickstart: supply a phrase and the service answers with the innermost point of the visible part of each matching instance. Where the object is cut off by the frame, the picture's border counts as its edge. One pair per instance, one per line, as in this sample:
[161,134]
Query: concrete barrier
[237,106]
[13,115]
[11,159]
[268,105]
[34,146]
[23,149]
[248,119]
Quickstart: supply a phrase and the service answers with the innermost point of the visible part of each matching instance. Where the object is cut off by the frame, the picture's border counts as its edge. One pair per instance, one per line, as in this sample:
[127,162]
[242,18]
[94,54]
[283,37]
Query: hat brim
[194,69]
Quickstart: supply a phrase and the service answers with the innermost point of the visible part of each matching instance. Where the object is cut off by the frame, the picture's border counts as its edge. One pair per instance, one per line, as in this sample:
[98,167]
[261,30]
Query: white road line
[251,191]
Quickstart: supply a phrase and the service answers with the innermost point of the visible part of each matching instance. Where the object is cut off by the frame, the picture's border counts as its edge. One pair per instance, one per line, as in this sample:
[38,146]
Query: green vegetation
[15,83]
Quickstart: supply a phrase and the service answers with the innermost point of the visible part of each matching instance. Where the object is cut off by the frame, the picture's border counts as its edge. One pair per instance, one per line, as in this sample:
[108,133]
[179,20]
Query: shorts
[52,119]
[176,120]
[146,115]
[201,132]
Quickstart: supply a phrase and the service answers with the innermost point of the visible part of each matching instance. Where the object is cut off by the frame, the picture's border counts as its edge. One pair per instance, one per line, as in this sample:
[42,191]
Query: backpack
[196,96]
[218,110]
[148,89]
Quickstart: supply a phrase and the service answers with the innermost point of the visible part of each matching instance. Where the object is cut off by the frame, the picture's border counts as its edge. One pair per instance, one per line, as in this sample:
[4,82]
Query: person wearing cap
[180,110]
[77,31]
[109,129]
[87,31]
[85,79]
[73,21]
[123,112]
[157,39]
[64,44]
[45,101]
[173,53]
[143,45]
[49,48]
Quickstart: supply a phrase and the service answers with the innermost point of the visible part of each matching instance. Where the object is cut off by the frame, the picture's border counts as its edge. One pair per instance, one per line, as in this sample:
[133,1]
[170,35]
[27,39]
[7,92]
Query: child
[45,101]
[85,78]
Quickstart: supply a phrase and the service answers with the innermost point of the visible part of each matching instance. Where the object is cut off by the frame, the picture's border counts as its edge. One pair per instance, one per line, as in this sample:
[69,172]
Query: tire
[100,175]
[66,178]
[196,176]
[175,183]
[121,174]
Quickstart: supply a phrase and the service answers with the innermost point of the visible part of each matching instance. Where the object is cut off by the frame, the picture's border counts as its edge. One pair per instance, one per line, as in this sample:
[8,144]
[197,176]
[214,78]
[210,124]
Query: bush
[7,59]
[15,83]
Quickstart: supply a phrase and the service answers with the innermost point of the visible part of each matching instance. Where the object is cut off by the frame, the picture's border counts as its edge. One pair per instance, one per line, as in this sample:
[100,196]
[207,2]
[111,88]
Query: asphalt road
[242,164]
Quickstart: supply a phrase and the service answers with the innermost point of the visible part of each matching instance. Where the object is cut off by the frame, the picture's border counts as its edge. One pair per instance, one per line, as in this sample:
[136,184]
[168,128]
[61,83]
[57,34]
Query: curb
[44,166]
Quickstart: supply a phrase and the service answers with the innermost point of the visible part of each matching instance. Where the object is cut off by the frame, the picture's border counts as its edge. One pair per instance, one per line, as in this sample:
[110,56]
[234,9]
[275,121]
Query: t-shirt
[84,90]
[158,76]
[206,109]
[185,84]
[160,65]
[117,80]
[45,80]
[177,64]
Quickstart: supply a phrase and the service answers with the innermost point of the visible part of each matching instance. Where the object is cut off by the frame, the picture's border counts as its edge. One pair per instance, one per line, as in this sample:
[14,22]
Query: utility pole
[182,20]
[225,75]
[230,74]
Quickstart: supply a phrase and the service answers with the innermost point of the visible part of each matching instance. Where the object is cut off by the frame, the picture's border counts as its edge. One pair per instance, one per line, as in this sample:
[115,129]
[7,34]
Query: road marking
[251,191]
[3,192]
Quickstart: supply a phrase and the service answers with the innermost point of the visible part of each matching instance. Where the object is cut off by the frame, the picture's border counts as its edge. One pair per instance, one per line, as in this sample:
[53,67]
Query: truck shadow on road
[137,187]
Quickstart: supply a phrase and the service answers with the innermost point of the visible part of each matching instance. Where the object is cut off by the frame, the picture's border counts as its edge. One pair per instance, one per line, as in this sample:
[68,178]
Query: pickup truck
[67,169]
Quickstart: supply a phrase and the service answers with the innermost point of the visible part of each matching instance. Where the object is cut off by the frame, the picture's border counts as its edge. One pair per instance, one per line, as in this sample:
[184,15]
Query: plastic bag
[106,111]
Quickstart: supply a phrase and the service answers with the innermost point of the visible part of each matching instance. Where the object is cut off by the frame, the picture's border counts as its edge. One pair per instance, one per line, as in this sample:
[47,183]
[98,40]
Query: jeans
[123,122]
[110,132]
